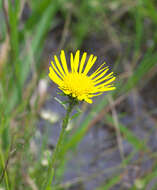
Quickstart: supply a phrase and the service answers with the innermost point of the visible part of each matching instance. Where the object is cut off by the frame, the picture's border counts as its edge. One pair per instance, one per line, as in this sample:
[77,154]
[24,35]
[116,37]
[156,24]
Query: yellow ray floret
[75,81]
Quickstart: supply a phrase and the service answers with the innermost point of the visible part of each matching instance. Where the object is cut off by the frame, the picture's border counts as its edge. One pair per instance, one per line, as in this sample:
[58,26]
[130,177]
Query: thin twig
[4,170]
[65,31]
[116,124]
[22,5]
[107,109]
[7,162]
[4,52]
[5,11]
[112,33]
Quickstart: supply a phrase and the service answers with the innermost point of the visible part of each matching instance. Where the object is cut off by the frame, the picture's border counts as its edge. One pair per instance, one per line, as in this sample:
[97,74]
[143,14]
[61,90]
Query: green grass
[134,26]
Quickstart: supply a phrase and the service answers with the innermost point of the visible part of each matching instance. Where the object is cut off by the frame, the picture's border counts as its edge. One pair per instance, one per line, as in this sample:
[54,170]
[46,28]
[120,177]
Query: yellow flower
[76,82]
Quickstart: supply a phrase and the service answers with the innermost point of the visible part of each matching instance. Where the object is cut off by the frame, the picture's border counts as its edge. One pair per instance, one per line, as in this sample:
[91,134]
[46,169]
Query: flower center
[77,84]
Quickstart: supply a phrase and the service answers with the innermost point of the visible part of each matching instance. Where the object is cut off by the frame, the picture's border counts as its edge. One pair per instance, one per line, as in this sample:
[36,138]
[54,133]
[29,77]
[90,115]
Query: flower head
[77,82]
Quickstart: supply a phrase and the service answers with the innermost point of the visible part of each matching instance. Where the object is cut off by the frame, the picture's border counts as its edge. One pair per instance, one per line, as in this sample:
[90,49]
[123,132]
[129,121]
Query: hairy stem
[55,156]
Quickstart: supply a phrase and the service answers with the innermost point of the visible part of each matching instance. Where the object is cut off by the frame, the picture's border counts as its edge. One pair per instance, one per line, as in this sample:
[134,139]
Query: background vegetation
[122,32]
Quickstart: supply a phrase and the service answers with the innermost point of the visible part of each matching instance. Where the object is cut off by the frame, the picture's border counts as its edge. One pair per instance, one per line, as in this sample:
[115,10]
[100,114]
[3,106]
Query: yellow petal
[105,89]
[100,75]
[66,91]
[59,66]
[92,95]
[56,70]
[98,71]
[106,83]
[72,62]
[104,78]
[82,62]
[80,98]
[76,61]
[63,60]
[54,77]
[88,100]
[88,64]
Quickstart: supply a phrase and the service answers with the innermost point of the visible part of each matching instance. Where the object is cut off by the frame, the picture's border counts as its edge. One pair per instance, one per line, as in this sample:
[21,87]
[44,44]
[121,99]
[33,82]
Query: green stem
[52,166]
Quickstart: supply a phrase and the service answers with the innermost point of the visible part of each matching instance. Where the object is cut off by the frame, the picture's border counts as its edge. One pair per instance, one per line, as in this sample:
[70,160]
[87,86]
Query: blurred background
[112,144]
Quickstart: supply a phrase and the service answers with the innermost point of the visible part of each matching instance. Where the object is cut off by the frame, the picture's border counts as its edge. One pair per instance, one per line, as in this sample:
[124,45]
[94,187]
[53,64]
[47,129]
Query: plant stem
[52,166]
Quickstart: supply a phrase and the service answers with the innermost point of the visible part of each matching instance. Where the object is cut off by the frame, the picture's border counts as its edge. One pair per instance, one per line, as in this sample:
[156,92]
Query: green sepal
[63,103]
